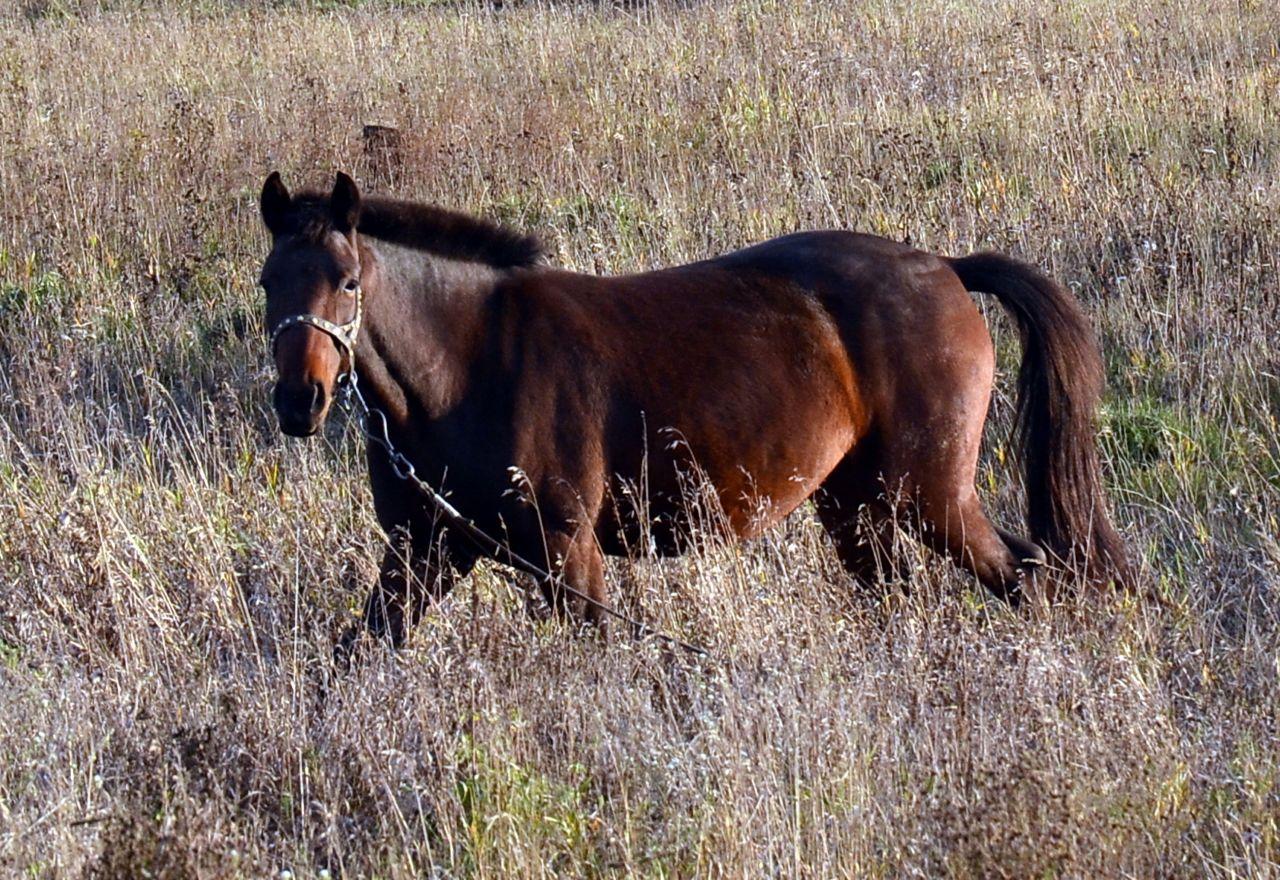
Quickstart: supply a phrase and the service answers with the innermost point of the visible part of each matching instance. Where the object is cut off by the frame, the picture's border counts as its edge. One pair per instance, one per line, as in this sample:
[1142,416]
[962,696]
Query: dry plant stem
[173,574]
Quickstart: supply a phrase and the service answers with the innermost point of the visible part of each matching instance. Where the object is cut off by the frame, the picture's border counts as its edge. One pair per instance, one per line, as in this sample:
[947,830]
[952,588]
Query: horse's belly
[709,486]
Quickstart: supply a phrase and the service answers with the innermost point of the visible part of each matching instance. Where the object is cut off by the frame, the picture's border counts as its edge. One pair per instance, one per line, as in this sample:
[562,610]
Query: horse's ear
[274,202]
[344,203]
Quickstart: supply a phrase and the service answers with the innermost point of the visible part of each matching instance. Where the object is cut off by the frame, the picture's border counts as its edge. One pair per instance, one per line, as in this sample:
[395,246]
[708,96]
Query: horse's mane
[424,227]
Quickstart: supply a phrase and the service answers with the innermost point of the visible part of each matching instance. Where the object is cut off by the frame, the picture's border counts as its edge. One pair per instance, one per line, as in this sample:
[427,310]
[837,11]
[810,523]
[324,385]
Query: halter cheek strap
[343,334]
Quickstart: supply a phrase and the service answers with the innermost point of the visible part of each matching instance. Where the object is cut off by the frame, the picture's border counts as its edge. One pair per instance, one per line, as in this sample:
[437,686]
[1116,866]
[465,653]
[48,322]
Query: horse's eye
[351,285]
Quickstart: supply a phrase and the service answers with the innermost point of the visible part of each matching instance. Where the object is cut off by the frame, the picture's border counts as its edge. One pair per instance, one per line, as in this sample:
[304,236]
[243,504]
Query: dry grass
[172,573]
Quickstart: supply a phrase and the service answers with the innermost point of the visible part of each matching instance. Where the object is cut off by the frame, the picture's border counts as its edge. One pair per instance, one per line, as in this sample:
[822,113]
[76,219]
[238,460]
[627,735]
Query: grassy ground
[173,573]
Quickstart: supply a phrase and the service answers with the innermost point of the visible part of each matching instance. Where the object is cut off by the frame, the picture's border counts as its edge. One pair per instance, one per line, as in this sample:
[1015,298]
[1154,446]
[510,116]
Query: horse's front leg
[413,574]
[577,563]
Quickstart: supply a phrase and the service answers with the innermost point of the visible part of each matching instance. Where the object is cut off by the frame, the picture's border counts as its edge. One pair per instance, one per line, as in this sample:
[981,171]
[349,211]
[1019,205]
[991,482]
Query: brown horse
[842,367]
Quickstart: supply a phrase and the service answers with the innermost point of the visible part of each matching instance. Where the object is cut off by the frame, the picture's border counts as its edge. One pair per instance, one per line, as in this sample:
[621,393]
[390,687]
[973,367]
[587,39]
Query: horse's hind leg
[937,420]
[948,514]
[954,523]
[864,536]
[886,484]
[857,515]
[1027,553]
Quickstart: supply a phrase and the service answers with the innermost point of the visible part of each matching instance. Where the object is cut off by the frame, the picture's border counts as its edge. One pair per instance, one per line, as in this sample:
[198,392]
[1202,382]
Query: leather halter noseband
[343,334]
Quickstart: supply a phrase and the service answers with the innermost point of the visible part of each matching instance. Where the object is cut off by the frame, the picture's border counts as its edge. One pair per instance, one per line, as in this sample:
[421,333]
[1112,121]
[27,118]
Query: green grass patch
[509,806]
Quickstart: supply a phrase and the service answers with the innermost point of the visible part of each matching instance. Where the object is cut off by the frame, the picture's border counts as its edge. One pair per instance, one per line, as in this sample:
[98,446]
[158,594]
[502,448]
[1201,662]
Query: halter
[343,334]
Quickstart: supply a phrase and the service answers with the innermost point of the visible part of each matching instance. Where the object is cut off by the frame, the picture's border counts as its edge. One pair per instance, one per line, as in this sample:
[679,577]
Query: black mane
[424,227]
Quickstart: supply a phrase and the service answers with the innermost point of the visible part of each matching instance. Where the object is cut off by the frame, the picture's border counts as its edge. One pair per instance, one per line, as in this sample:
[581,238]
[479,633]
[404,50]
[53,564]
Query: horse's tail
[1059,386]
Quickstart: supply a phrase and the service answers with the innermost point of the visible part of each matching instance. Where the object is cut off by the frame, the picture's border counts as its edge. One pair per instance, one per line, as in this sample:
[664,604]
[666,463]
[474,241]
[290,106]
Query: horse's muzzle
[300,408]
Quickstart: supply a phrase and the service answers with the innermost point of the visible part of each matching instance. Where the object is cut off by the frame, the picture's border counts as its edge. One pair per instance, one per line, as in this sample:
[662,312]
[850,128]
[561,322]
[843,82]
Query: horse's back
[901,312]
[858,268]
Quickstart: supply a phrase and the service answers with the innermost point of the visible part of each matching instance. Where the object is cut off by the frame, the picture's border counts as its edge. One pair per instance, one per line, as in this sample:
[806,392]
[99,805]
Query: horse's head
[314,301]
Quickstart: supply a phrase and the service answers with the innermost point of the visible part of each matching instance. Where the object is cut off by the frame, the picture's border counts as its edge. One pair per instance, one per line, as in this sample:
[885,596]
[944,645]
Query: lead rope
[488,545]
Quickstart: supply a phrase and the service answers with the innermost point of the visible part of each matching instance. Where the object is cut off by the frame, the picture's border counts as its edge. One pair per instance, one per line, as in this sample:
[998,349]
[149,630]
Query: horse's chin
[300,429]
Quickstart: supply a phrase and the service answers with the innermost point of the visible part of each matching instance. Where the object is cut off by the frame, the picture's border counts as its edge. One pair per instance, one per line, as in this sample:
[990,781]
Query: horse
[828,365]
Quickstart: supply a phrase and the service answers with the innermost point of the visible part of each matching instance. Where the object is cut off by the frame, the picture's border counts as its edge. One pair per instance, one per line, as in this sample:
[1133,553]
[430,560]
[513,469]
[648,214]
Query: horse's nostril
[300,401]
[317,398]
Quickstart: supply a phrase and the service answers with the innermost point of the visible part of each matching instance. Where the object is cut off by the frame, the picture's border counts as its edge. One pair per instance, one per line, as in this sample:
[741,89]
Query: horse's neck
[424,318]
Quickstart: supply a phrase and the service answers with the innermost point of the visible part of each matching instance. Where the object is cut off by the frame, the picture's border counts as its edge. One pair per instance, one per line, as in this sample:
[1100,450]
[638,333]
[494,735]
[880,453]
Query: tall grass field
[174,572]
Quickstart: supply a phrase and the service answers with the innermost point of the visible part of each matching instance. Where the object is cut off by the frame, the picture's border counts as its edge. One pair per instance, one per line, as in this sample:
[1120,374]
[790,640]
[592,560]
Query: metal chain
[366,416]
